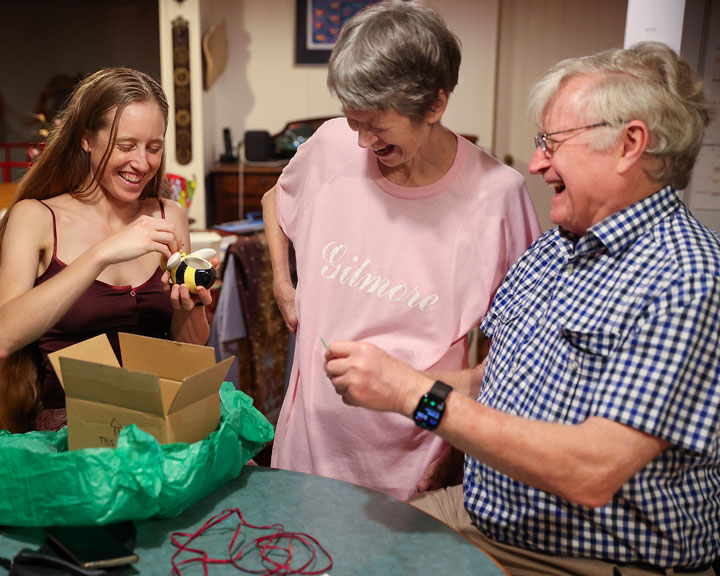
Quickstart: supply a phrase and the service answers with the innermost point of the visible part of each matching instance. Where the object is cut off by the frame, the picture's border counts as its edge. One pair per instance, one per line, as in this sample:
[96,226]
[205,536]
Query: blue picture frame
[317,25]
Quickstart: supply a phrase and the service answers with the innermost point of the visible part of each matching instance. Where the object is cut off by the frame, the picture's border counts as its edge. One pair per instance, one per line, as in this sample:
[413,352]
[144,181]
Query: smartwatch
[431,407]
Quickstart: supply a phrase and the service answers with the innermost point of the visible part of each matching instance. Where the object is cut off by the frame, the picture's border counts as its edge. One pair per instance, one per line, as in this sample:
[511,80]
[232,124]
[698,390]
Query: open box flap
[194,421]
[97,348]
[168,389]
[200,385]
[166,358]
[111,385]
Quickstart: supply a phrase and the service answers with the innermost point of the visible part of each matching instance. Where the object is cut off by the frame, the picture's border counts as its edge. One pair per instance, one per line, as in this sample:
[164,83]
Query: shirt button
[477,477]
[574,366]
[570,269]
[542,321]
[132,293]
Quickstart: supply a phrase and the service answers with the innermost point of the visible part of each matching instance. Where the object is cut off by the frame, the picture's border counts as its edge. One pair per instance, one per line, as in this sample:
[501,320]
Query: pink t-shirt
[411,270]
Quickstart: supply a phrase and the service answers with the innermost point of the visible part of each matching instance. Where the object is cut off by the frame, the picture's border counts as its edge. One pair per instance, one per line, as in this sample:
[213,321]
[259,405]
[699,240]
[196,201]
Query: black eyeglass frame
[541,137]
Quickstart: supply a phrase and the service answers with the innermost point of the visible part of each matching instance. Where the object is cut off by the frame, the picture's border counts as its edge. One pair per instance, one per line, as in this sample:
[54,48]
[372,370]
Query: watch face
[428,413]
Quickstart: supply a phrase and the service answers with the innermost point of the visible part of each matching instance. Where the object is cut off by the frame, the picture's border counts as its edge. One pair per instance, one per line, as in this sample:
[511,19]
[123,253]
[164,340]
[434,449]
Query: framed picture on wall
[318,24]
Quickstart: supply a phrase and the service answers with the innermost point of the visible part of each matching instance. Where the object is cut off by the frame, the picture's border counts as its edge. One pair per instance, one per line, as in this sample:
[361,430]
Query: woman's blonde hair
[96,103]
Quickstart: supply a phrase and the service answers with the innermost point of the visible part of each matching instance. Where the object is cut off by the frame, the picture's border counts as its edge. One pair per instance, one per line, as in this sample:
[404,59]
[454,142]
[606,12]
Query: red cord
[266,545]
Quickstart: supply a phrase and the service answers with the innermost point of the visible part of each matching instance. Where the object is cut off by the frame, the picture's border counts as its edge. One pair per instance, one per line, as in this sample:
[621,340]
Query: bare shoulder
[174,211]
[31,212]
[69,207]
[28,240]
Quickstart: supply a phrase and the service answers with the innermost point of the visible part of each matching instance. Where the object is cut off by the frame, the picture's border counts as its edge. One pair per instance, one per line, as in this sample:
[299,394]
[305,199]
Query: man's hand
[366,376]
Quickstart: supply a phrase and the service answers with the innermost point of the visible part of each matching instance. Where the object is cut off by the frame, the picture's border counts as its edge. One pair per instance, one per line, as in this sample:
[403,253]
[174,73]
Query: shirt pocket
[514,326]
[598,344]
[515,311]
[494,323]
[588,354]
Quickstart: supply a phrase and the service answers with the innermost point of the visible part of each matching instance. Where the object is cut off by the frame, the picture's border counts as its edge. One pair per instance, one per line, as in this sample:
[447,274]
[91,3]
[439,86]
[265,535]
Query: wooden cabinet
[224,197]
[256,181]
[226,192]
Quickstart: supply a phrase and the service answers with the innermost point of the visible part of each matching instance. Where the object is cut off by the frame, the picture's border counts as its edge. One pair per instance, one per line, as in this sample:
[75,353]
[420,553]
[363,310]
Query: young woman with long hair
[81,246]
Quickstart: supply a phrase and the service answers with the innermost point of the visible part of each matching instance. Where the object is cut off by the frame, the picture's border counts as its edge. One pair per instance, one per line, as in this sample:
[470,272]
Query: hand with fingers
[182,299]
[146,234]
[364,375]
[191,277]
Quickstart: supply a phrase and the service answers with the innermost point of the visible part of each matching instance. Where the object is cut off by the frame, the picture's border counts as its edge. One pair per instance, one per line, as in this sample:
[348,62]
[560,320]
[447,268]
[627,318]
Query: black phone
[91,546]
[228,156]
[228,142]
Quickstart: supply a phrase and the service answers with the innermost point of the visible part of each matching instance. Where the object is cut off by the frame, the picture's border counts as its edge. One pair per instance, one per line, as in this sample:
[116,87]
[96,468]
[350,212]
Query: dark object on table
[93,543]
[91,547]
[258,146]
[228,157]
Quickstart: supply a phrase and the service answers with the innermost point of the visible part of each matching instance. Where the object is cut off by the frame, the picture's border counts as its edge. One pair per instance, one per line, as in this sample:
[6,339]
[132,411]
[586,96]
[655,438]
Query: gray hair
[394,55]
[647,82]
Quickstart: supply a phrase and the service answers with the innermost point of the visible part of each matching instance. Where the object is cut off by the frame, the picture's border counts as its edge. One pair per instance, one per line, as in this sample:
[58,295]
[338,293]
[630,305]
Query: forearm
[558,458]
[466,382]
[585,463]
[191,327]
[278,243]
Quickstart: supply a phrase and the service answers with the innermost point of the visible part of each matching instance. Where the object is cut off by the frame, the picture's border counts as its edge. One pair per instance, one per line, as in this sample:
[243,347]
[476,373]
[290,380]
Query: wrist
[98,259]
[416,392]
[431,407]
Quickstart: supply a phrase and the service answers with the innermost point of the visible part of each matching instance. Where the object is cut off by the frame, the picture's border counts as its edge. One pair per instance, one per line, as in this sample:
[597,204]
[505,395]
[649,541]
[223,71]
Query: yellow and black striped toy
[193,269]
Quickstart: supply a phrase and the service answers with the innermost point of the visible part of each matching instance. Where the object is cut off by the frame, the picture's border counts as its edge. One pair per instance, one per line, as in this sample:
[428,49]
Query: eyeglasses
[541,139]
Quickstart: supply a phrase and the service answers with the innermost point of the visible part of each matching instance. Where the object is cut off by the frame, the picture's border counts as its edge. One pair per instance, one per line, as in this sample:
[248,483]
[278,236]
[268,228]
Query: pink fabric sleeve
[324,152]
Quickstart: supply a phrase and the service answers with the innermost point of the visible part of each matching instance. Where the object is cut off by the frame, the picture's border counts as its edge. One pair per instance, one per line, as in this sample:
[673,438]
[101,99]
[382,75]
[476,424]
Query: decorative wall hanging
[318,24]
[181,84]
[215,53]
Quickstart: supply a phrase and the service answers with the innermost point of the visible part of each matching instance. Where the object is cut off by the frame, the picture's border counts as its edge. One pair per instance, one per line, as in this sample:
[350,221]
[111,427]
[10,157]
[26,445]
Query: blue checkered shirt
[623,324]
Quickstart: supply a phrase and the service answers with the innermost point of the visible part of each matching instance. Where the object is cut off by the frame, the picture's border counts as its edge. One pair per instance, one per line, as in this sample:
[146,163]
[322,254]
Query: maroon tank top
[102,309]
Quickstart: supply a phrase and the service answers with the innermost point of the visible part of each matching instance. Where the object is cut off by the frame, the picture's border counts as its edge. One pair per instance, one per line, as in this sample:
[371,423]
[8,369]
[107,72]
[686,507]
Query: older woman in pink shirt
[402,230]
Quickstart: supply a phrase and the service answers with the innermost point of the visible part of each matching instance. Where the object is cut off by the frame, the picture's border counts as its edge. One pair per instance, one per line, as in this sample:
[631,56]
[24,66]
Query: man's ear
[438,108]
[634,140]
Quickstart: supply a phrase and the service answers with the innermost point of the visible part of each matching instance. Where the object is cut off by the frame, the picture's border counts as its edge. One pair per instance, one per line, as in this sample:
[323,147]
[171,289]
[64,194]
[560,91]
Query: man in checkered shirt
[594,443]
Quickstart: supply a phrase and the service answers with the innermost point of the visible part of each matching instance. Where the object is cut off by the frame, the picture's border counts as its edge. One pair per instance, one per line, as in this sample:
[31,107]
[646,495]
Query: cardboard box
[169,389]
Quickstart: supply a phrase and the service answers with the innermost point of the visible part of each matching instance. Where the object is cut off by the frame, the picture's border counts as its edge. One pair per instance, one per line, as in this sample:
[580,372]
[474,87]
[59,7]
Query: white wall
[691,27]
[189,10]
[227,103]
[262,88]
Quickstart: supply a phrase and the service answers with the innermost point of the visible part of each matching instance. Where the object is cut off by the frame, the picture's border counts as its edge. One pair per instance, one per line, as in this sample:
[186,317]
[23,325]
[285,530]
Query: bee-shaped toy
[193,270]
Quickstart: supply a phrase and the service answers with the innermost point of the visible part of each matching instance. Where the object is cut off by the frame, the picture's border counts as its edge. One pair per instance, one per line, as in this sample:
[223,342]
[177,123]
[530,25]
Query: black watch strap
[431,407]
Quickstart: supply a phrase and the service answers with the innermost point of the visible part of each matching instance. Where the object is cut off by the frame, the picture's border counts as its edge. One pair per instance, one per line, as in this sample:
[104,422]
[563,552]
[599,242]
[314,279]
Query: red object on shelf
[6,161]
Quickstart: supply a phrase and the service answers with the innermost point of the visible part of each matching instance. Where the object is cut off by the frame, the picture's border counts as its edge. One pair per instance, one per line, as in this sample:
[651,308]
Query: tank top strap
[54,228]
[162,207]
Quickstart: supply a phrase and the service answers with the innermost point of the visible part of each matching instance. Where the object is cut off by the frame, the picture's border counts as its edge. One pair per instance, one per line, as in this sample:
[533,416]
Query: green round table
[364,531]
